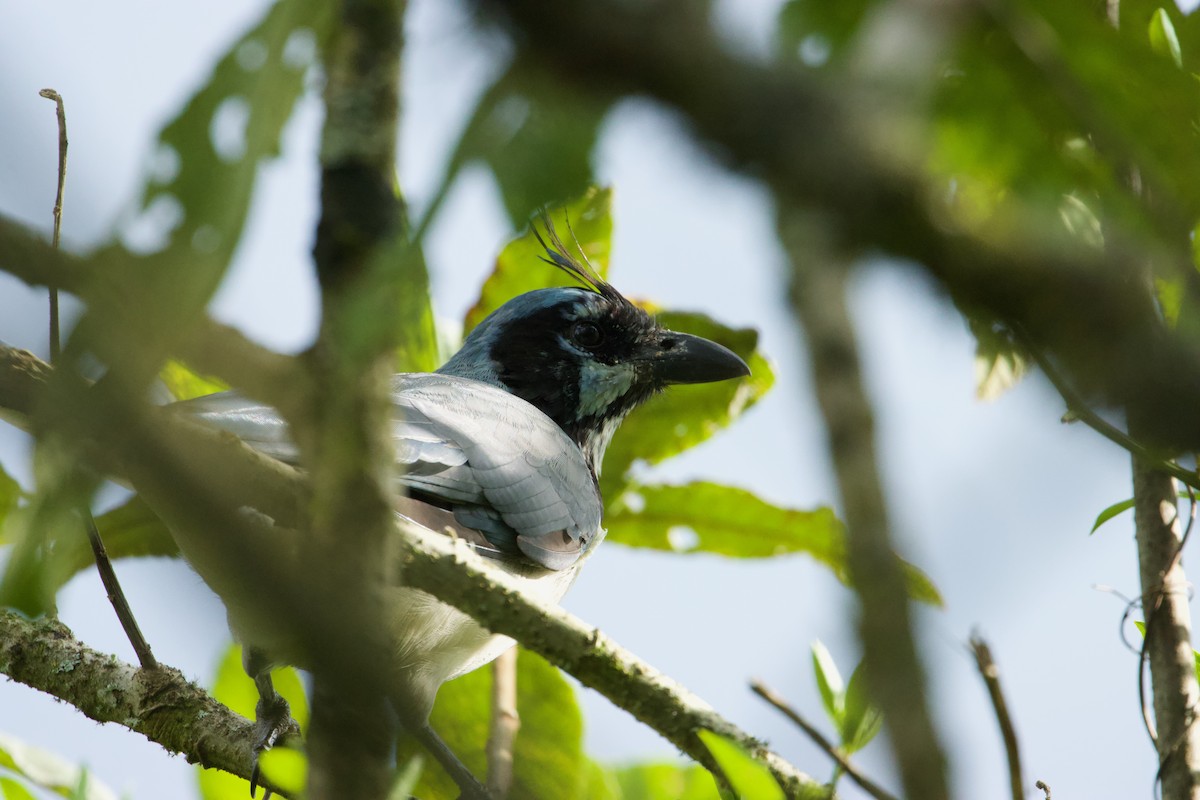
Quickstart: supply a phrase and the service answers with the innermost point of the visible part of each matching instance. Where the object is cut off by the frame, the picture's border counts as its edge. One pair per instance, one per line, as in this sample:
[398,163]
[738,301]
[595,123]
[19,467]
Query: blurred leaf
[47,770]
[817,31]
[183,384]
[1170,299]
[30,575]
[749,779]
[687,415]
[548,759]
[285,768]
[10,494]
[407,777]
[196,198]
[712,518]
[234,688]
[1163,38]
[666,782]
[1080,221]
[536,133]
[599,783]
[999,362]
[584,223]
[12,790]
[829,683]
[861,721]
[1110,512]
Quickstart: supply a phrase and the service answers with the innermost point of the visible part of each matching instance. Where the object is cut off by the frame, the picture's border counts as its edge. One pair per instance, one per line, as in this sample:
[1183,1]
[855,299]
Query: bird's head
[585,356]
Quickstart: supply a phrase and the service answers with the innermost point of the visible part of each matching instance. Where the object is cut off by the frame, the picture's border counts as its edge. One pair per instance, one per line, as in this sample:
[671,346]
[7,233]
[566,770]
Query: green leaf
[749,779]
[12,790]
[234,688]
[1110,512]
[10,494]
[712,518]
[548,758]
[666,782]
[1163,38]
[600,783]
[536,134]
[829,683]
[584,224]
[285,768]
[47,770]
[184,384]
[861,721]
[683,417]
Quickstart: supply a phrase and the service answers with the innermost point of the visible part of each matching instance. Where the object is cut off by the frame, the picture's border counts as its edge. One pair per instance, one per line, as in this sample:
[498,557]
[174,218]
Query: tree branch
[830,749]
[160,704]
[211,348]
[344,436]
[896,675]
[1168,631]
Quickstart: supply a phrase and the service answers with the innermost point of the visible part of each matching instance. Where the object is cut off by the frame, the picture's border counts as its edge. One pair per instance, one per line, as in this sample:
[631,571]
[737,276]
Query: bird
[501,447]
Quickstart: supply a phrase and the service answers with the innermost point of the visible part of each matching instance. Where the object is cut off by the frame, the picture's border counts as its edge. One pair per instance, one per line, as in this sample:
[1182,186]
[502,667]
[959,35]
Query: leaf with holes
[706,517]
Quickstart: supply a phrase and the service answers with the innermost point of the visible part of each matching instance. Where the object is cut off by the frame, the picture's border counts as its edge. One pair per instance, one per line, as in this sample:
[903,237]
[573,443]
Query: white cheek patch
[601,384]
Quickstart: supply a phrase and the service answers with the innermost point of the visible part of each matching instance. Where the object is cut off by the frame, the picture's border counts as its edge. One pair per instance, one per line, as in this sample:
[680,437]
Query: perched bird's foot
[273,721]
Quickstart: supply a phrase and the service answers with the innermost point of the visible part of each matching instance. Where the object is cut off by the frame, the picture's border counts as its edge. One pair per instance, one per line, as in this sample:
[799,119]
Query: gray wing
[518,478]
[501,466]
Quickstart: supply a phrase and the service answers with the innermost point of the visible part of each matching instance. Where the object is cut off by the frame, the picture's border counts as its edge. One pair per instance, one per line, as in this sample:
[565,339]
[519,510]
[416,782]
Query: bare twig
[112,586]
[1045,787]
[1167,639]
[1083,412]
[834,752]
[505,722]
[50,94]
[991,678]
[108,575]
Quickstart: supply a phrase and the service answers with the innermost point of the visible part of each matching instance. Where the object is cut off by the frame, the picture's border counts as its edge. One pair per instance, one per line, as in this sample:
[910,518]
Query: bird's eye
[587,334]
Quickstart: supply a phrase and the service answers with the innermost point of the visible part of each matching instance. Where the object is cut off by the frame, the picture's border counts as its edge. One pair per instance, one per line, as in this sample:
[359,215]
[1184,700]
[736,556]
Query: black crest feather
[559,255]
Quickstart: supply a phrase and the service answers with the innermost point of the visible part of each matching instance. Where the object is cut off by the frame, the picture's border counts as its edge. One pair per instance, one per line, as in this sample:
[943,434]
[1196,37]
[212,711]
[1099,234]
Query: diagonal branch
[160,704]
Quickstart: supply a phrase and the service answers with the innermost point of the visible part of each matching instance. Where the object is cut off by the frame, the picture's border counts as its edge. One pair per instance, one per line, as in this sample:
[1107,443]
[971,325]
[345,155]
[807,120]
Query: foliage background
[993,500]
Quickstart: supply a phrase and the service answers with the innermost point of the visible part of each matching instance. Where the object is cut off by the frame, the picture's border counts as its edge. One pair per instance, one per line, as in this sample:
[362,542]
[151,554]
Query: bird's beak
[683,358]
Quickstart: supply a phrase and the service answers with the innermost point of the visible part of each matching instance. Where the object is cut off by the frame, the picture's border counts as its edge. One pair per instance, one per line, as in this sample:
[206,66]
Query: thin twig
[1080,409]
[50,94]
[112,586]
[104,566]
[502,737]
[775,699]
[991,679]
[1045,787]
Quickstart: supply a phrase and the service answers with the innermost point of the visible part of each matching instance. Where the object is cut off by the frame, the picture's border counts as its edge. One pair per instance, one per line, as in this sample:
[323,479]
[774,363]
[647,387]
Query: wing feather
[500,465]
